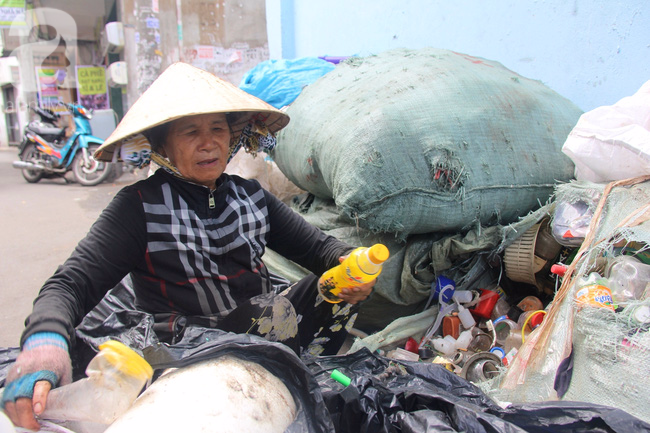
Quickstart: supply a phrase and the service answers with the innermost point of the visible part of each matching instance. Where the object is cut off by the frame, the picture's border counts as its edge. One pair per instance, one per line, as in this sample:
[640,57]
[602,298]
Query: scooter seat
[44,129]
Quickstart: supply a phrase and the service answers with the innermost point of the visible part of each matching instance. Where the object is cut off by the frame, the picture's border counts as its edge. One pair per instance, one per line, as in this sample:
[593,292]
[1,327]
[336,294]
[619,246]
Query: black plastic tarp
[383,396]
[389,396]
[7,357]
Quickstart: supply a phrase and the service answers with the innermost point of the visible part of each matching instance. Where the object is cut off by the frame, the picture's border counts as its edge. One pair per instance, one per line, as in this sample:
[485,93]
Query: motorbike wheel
[29,155]
[117,171]
[93,174]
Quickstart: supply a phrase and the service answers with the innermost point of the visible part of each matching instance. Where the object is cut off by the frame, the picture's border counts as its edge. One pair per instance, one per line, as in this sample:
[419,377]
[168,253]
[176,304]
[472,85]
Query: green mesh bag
[425,141]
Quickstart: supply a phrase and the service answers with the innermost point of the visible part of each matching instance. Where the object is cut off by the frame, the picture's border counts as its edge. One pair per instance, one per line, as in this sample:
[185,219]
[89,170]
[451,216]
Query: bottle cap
[378,254]
[559,269]
[536,319]
[499,352]
[443,289]
[126,359]
[514,312]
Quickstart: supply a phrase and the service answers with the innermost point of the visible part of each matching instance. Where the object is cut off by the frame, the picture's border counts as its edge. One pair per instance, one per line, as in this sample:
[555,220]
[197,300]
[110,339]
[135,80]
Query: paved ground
[40,224]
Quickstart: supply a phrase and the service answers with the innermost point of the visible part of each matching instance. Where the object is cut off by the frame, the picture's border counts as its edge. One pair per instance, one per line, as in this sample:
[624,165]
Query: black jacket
[190,251]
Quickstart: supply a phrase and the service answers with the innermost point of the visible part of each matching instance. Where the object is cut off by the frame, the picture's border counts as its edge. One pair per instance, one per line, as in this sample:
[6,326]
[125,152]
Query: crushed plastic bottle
[531,320]
[571,221]
[500,309]
[629,279]
[116,375]
[502,327]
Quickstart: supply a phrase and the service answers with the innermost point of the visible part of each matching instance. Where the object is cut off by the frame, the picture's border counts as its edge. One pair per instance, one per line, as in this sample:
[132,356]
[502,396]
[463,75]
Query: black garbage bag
[384,395]
[116,317]
[399,396]
[7,357]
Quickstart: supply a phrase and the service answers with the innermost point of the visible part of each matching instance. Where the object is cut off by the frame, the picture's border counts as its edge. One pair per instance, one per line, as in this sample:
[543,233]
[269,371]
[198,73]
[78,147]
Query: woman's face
[198,146]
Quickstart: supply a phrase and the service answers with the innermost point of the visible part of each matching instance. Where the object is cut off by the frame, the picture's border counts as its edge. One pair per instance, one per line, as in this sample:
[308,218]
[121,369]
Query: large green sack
[425,141]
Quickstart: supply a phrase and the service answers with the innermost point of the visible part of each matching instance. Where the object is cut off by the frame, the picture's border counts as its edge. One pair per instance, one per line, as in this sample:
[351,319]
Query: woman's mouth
[208,162]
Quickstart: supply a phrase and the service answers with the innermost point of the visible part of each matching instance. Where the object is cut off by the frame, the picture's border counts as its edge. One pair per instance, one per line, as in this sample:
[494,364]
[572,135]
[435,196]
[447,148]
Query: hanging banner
[92,91]
[48,81]
[12,12]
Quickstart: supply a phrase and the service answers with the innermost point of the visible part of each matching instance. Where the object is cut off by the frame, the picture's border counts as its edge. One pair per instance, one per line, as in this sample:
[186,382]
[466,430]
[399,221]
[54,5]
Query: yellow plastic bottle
[363,264]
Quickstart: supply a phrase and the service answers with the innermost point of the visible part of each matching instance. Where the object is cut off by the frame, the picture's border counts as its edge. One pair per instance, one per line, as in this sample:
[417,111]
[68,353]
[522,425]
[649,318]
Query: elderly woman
[191,237]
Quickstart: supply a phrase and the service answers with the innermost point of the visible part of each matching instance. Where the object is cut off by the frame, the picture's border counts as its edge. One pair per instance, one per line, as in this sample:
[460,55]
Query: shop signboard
[92,91]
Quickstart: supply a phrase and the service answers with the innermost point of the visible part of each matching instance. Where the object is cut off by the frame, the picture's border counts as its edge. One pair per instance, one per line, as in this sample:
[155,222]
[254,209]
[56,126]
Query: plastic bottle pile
[475,332]
[478,333]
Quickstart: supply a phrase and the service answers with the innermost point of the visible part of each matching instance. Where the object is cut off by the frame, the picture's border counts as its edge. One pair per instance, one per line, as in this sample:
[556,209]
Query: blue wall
[593,52]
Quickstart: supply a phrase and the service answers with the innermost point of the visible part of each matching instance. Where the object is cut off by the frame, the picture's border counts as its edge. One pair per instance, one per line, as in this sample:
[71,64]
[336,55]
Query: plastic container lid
[536,319]
[378,253]
[126,359]
[499,352]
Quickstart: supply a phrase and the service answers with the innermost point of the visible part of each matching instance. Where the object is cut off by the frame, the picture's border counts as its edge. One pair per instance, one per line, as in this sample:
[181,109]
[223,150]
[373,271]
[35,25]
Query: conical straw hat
[184,90]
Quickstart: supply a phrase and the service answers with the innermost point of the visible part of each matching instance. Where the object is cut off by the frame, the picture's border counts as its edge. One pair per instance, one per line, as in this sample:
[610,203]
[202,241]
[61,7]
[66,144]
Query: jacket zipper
[211,203]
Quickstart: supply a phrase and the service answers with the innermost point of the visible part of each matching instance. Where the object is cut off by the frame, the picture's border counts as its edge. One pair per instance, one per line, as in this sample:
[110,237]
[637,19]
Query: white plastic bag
[612,142]
[266,172]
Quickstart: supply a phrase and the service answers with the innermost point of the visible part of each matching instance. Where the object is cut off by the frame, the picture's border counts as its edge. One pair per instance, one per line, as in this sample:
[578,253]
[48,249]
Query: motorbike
[46,153]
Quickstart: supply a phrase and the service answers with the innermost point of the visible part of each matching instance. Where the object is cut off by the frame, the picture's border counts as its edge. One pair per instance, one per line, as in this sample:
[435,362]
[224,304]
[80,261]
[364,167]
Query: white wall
[593,52]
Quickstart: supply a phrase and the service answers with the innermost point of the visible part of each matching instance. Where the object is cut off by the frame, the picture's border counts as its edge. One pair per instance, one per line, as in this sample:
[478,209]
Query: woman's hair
[158,134]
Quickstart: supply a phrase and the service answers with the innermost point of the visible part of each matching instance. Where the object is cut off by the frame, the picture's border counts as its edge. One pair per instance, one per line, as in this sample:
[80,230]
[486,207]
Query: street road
[40,224]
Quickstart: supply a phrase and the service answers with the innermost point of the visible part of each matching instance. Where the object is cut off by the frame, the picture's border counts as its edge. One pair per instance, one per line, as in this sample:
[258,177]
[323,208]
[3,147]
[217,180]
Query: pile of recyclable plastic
[475,332]
[553,306]
[587,257]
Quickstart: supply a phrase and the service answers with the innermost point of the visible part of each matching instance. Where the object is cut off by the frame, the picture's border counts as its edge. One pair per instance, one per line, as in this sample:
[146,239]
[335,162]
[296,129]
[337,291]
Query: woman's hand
[359,293]
[356,294]
[22,410]
[43,363]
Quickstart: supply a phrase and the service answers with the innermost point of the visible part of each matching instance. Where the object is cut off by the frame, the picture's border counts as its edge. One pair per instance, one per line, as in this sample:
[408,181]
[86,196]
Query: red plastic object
[559,270]
[536,320]
[411,345]
[451,326]
[488,300]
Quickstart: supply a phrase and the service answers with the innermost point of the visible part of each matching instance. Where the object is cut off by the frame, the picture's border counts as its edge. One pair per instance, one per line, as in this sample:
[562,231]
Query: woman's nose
[208,140]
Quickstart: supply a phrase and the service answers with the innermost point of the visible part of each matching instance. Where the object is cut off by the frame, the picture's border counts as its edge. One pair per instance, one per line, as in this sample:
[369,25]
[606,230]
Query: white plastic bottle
[446,345]
[463,340]
[466,317]
[116,375]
